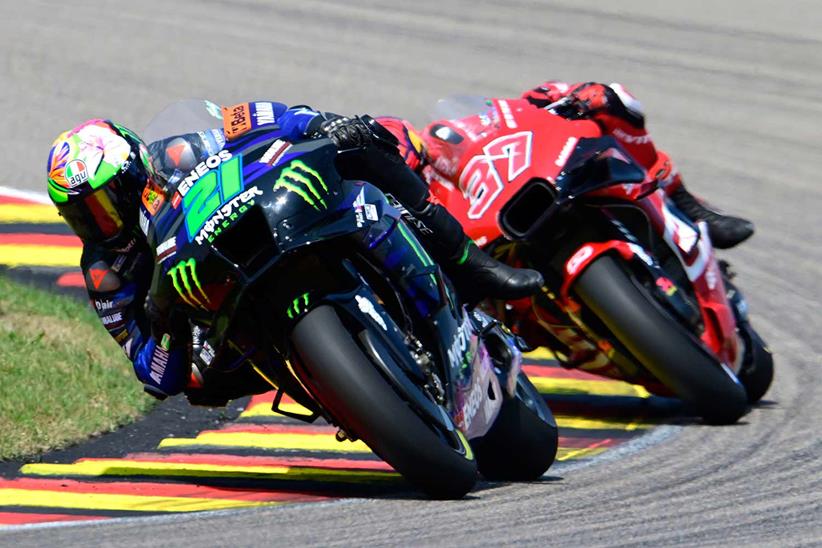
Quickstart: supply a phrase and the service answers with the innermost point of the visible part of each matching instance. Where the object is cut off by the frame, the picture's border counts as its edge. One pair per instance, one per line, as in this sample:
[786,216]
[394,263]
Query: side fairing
[480,162]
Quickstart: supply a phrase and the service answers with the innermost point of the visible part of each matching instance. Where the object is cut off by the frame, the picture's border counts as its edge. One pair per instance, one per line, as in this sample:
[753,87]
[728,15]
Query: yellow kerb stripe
[39,255]
[264,410]
[616,423]
[23,213]
[115,467]
[566,453]
[583,423]
[549,385]
[541,353]
[107,501]
[298,442]
[546,385]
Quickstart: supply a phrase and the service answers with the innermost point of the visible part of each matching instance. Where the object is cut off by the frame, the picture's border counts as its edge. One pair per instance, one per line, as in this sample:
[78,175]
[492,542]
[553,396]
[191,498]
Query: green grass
[62,377]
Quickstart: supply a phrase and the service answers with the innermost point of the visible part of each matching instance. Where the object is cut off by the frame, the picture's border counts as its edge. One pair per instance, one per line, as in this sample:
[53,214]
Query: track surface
[732,89]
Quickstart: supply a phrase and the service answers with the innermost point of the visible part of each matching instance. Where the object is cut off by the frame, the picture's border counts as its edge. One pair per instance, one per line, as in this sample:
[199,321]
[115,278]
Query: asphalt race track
[732,92]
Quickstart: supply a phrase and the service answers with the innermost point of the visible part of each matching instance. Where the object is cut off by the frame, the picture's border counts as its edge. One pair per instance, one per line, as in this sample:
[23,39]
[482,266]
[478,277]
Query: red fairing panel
[480,162]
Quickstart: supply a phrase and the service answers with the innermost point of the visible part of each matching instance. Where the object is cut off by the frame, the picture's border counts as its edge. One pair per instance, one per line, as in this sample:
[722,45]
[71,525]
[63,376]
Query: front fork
[480,357]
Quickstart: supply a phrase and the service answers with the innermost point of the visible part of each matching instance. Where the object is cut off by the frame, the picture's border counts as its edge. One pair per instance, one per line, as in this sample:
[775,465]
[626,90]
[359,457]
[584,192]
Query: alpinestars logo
[183,276]
[305,182]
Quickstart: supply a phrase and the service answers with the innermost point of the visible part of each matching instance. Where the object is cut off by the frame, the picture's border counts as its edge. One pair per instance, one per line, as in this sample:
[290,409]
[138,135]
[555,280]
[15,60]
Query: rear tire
[350,387]
[522,444]
[660,343]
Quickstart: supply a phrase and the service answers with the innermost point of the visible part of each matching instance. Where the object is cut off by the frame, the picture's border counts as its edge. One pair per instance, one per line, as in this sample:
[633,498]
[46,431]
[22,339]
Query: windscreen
[455,107]
[183,135]
[188,116]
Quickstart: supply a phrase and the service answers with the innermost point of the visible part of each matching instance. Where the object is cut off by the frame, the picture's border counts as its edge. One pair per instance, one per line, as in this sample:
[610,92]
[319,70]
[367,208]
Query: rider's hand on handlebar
[347,133]
[591,97]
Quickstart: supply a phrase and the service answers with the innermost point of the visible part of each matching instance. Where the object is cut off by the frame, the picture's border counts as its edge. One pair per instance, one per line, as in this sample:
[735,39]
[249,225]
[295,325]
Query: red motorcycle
[633,289]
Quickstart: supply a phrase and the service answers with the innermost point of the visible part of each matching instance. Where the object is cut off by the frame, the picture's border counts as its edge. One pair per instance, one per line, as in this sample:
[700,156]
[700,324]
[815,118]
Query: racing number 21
[211,191]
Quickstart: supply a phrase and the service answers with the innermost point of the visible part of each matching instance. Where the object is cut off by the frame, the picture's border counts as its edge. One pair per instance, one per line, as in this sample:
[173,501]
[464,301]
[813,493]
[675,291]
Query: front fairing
[238,220]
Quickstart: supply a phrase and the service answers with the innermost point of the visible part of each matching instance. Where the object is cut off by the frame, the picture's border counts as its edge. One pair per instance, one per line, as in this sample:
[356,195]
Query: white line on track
[653,437]
[173,517]
[39,197]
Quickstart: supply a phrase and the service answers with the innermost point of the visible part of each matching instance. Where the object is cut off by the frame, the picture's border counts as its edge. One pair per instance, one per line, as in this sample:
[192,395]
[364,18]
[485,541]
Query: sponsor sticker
[166,249]
[143,222]
[363,210]
[358,204]
[236,120]
[566,151]
[207,353]
[578,258]
[227,214]
[274,152]
[264,113]
[460,344]
[76,173]
[153,198]
[112,319]
[199,170]
[507,115]
[367,307]
[371,212]
[159,361]
[103,304]
[631,139]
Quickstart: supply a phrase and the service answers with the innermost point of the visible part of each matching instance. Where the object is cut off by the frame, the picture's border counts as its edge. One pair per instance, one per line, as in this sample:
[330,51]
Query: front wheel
[757,370]
[523,441]
[356,394]
[660,343]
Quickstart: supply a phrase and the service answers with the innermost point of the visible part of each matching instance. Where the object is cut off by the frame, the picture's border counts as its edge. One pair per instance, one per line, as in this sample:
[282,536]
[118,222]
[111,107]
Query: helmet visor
[104,213]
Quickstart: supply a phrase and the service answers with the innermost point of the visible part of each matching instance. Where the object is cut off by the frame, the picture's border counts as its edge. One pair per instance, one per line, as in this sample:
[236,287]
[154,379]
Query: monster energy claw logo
[304,182]
[183,274]
[297,306]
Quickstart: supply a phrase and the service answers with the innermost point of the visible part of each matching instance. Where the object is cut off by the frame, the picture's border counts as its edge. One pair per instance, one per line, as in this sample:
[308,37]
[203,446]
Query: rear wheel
[522,444]
[356,394]
[660,343]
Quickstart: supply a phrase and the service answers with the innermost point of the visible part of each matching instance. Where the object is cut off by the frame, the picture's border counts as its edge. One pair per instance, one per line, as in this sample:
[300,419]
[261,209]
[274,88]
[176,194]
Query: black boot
[370,152]
[476,275]
[725,231]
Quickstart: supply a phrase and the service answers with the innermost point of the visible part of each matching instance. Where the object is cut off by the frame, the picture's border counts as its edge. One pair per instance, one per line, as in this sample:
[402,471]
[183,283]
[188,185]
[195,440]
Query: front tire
[522,444]
[660,343]
[757,371]
[356,394]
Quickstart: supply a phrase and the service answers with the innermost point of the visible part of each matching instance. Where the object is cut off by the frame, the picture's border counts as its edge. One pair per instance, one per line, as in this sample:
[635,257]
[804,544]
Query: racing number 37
[211,191]
[481,181]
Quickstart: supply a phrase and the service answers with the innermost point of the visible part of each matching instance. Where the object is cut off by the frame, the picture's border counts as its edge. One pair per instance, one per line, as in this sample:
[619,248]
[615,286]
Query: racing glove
[599,102]
[357,133]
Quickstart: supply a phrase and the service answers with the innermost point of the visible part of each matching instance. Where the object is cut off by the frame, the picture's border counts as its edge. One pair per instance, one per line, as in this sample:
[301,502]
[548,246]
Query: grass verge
[62,377]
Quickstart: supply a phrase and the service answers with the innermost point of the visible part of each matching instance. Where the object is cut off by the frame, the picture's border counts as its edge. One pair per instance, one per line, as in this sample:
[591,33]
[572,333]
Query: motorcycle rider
[99,171]
[619,114]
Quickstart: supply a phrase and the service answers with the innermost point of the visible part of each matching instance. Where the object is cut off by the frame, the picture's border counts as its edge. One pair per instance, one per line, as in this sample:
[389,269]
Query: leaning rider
[98,171]
[620,115]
